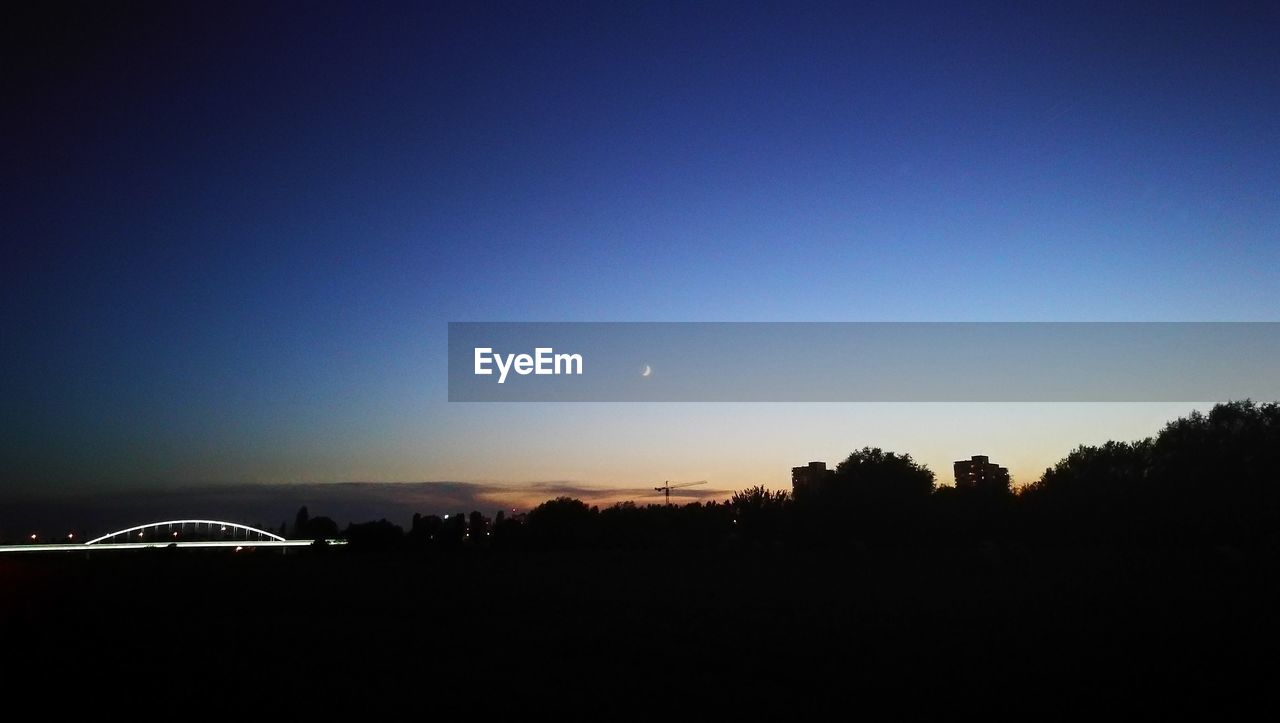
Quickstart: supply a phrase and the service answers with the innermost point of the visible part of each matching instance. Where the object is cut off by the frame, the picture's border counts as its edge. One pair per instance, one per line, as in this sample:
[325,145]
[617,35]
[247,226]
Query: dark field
[1044,633]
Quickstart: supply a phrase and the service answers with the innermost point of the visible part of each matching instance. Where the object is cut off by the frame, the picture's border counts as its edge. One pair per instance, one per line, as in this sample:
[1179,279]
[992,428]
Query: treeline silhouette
[1205,479]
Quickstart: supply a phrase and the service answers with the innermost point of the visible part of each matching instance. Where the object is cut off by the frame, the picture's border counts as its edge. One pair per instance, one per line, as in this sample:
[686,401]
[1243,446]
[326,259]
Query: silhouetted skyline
[1202,478]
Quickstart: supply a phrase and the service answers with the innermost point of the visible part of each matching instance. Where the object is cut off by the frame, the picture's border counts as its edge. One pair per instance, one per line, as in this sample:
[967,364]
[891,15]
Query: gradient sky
[235,232]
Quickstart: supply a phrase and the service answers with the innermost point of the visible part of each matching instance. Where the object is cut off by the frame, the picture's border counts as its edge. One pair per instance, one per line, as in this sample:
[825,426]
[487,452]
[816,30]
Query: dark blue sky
[235,232]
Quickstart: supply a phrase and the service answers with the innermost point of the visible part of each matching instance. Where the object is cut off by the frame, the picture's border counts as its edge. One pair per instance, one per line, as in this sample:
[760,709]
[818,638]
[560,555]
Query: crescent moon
[647,371]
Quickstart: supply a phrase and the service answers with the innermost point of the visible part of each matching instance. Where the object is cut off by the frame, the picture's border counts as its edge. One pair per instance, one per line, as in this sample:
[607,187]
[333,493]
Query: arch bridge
[174,533]
[170,530]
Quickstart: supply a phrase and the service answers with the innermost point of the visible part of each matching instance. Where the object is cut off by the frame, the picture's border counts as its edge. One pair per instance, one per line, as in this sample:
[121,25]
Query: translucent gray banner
[863,362]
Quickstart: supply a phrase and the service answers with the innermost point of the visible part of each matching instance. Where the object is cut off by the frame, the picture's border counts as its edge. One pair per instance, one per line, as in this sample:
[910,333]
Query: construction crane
[666,488]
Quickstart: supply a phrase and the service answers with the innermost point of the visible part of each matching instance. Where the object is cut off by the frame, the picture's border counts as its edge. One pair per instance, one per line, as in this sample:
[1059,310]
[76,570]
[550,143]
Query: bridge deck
[82,547]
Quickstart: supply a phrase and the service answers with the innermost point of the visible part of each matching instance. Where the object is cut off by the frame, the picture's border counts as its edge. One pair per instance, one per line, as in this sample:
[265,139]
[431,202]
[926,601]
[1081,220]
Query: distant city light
[33,535]
[70,536]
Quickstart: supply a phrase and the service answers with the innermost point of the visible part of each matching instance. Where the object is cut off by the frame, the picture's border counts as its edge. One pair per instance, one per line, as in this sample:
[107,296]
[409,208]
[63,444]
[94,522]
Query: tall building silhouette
[809,478]
[979,472]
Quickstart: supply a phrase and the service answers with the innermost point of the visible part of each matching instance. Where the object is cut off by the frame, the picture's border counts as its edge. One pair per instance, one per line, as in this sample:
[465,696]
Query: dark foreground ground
[603,635]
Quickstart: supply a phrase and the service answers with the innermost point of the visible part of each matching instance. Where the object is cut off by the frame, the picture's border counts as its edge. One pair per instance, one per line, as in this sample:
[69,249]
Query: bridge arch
[181,523]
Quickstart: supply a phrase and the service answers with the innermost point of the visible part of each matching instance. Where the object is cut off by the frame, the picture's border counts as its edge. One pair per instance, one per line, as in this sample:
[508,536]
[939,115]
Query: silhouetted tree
[625,525]
[892,477]
[1095,493]
[562,522]
[1206,478]
[379,535]
[873,495]
[1218,473]
[759,514]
